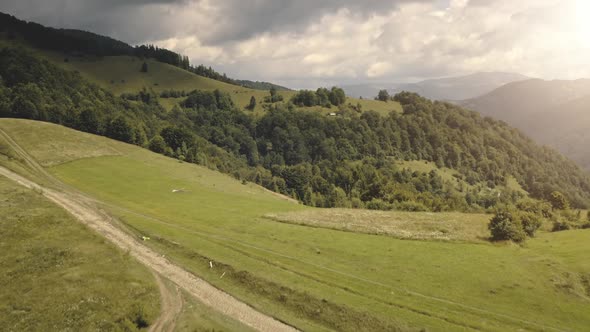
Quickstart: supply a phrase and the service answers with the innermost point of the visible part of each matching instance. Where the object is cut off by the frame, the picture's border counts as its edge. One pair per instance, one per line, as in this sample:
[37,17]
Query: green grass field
[58,275]
[322,279]
[444,226]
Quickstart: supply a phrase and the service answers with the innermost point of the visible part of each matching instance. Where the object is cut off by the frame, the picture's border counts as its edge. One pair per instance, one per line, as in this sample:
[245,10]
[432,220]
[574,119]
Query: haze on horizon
[305,44]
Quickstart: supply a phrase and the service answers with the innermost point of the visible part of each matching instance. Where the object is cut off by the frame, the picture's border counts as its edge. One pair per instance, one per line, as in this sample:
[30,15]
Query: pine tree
[252,103]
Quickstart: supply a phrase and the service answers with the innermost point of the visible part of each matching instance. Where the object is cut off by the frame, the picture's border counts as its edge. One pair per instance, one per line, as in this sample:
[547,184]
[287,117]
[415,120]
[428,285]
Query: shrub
[378,204]
[530,222]
[506,225]
[157,144]
[411,206]
[539,208]
[561,225]
[559,201]
[138,317]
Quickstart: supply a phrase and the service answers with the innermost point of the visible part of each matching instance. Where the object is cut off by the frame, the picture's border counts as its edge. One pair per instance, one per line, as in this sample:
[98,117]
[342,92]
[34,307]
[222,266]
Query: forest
[328,161]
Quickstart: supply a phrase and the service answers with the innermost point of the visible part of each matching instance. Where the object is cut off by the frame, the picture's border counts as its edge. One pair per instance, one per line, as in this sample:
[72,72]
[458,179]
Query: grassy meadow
[121,74]
[443,226]
[58,275]
[320,278]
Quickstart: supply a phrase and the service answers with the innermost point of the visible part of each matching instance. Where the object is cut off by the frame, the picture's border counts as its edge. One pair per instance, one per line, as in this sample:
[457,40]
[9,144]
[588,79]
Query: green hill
[337,160]
[121,74]
[239,198]
[56,274]
[314,277]
[115,66]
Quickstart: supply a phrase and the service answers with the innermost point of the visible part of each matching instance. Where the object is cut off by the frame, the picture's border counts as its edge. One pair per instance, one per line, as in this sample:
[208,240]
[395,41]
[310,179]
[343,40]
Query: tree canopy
[349,160]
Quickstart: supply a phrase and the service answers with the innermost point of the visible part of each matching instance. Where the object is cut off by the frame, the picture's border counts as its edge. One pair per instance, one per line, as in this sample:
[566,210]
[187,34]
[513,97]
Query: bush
[506,225]
[571,216]
[411,206]
[378,204]
[157,144]
[530,222]
[539,208]
[559,201]
[561,225]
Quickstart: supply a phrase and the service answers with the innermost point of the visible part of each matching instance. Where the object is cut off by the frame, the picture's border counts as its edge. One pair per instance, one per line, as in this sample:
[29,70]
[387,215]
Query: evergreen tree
[383,95]
[252,103]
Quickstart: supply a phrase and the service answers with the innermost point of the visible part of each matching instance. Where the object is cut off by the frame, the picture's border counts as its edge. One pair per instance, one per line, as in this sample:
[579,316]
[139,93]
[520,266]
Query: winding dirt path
[92,216]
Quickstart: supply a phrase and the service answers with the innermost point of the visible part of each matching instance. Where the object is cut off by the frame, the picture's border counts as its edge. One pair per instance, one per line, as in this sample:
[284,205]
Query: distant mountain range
[450,88]
[555,113]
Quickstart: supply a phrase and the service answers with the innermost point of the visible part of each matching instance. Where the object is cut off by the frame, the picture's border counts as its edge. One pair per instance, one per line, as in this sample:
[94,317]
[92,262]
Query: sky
[309,43]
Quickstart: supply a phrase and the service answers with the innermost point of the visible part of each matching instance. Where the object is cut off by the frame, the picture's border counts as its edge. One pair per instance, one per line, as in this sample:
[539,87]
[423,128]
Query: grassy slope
[57,147]
[444,226]
[349,280]
[120,74]
[83,285]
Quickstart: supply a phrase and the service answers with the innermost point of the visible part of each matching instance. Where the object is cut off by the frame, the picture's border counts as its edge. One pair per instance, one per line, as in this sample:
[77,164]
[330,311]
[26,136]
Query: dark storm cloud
[135,21]
[243,19]
[119,19]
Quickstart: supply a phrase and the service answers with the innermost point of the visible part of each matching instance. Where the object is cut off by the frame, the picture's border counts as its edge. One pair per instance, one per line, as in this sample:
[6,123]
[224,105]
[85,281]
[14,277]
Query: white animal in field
[145,238]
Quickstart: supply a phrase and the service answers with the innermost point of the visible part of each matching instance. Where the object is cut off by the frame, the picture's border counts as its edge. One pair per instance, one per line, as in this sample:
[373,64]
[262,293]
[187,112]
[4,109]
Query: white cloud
[536,37]
[305,43]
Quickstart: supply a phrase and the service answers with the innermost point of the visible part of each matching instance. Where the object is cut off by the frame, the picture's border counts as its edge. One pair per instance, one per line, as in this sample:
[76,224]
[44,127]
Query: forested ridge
[345,160]
[82,43]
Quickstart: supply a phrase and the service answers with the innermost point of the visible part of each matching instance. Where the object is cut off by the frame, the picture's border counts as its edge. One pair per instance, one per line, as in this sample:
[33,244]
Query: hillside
[140,192]
[115,66]
[293,273]
[121,74]
[43,245]
[342,160]
[450,88]
[551,112]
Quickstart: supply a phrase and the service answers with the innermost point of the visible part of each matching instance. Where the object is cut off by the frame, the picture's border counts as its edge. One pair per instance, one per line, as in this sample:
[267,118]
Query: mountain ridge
[553,112]
[446,88]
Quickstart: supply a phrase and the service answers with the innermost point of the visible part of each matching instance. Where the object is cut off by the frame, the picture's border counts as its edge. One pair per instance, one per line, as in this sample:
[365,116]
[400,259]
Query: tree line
[347,161]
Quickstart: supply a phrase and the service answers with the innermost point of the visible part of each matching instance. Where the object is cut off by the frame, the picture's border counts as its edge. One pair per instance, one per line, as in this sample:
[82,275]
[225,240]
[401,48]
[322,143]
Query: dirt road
[89,214]
[170,309]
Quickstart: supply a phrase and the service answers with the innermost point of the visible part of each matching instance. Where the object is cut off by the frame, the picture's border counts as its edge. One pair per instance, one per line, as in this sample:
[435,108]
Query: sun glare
[582,20]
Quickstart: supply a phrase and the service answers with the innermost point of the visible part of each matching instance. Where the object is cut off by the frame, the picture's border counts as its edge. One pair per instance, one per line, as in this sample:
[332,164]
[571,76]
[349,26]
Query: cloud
[306,43]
